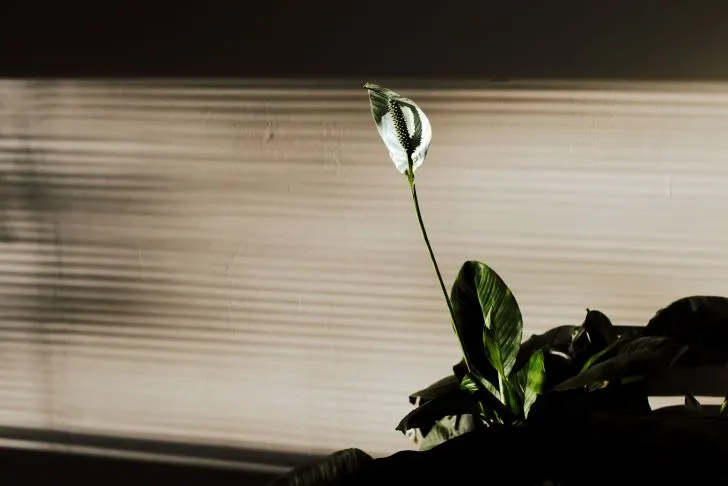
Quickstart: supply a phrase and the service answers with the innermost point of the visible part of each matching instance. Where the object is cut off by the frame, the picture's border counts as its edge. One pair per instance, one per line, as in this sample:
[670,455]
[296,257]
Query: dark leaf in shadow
[449,428]
[460,370]
[643,356]
[594,336]
[600,329]
[692,403]
[425,416]
[330,470]
[701,322]
[447,385]
[556,339]
[605,354]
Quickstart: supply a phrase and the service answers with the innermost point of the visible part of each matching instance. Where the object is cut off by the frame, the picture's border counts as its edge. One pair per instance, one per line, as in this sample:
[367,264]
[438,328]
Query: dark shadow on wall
[45,295]
[51,298]
[265,463]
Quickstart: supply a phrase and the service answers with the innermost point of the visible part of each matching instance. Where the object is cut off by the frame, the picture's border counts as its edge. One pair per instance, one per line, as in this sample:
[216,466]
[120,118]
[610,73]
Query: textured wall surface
[241,264]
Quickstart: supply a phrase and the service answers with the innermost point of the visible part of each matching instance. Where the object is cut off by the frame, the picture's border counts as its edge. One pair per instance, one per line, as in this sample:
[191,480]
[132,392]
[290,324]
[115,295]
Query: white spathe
[417,132]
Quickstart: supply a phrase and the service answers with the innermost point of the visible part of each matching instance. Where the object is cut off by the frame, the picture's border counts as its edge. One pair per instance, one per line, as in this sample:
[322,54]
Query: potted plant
[582,384]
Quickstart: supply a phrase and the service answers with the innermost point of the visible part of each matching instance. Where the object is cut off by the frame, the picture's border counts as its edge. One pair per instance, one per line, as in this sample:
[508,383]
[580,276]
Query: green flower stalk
[407,133]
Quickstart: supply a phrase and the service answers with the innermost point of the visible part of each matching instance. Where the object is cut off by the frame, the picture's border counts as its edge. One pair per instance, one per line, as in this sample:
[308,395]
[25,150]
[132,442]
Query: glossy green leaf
[724,406]
[472,383]
[491,403]
[448,428]
[403,126]
[529,381]
[487,318]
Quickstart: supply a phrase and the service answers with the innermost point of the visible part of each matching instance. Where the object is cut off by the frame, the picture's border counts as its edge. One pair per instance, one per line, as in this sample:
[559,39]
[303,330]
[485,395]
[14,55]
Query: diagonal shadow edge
[260,460]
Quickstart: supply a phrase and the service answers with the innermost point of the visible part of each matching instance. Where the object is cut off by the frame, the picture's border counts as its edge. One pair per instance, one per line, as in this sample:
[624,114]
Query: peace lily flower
[407,133]
[403,126]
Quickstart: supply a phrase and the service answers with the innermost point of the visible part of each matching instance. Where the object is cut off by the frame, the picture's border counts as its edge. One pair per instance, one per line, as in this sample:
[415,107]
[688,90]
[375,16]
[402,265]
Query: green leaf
[529,381]
[403,126]
[492,407]
[724,406]
[487,318]
[473,383]
[448,428]
[642,356]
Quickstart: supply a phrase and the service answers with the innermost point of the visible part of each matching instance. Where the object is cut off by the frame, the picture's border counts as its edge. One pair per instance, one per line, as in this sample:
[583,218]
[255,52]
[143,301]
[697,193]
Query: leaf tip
[370,86]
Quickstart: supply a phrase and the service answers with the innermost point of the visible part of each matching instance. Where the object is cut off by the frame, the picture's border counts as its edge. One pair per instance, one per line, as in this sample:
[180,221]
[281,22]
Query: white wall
[242,264]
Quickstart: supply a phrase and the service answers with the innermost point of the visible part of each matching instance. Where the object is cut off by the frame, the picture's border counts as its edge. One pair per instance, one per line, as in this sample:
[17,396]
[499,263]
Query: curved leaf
[427,415]
[600,329]
[473,383]
[642,356]
[594,335]
[448,428]
[699,321]
[649,343]
[610,351]
[689,316]
[529,381]
[444,386]
[403,126]
[487,318]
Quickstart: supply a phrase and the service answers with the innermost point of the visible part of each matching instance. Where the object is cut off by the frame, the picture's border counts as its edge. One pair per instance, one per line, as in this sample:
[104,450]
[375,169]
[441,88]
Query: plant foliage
[502,378]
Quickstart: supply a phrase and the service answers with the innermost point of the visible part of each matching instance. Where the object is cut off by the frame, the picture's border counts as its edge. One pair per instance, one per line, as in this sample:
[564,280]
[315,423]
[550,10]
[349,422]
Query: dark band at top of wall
[620,39]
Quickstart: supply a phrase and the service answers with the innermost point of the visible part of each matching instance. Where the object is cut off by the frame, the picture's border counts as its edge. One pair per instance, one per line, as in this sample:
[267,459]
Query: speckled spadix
[403,126]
